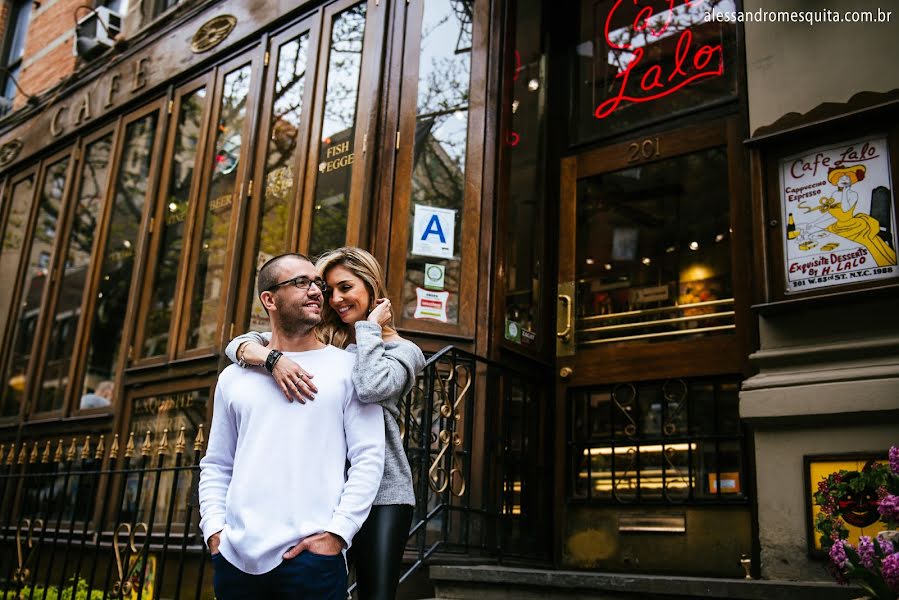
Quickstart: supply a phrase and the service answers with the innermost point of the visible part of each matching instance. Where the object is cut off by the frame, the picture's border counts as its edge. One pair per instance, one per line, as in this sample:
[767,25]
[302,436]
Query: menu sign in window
[839,222]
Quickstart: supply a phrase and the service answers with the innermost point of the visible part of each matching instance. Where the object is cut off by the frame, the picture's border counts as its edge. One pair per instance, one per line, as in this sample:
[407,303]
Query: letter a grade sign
[433,232]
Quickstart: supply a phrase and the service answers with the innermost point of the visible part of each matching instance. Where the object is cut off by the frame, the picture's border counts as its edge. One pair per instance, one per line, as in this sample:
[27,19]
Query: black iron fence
[100,518]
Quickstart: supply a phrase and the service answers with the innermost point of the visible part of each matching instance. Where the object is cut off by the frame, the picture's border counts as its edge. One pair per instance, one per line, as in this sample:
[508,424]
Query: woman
[357,318]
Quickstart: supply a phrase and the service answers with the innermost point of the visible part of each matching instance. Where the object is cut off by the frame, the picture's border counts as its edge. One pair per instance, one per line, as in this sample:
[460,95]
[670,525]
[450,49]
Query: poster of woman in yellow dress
[839,215]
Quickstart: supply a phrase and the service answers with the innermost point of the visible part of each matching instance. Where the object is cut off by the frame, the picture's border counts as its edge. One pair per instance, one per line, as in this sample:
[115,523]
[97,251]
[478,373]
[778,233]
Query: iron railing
[95,519]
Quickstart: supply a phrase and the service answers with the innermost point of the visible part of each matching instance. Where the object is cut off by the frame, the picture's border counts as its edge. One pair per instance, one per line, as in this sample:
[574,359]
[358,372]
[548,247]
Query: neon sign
[690,63]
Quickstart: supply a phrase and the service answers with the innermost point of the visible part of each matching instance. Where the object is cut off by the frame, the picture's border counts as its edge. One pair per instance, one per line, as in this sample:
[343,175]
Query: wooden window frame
[473,182]
[766,170]
[7,332]
[253,57]
[49,304]
[85,324]
[159,202]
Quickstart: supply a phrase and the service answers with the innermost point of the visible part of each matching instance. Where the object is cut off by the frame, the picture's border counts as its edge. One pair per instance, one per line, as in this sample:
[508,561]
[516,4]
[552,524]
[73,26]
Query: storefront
[589,211]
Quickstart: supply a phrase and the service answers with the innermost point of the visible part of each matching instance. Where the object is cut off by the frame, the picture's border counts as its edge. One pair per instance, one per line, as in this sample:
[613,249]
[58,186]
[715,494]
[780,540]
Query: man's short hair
[268,275]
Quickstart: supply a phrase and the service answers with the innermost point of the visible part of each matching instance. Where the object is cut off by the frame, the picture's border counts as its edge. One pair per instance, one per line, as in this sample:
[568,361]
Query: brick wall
[48,47]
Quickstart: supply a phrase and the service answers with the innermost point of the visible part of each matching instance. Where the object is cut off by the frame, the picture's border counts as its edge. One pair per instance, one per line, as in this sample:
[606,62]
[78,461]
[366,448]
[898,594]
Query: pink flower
[866,551]
[838,554]
[889,507]
[894,460]
[885,545]
[890,569]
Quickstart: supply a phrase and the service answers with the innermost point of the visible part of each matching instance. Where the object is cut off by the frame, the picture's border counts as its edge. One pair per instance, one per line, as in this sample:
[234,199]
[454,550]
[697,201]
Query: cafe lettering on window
[838,221]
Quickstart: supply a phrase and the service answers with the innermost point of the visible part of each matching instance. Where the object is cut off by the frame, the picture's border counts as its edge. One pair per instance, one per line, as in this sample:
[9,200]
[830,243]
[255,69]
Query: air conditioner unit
[95,32]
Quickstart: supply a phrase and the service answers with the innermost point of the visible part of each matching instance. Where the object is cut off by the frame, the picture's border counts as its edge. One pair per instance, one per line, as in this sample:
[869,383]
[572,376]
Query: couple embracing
[286,487]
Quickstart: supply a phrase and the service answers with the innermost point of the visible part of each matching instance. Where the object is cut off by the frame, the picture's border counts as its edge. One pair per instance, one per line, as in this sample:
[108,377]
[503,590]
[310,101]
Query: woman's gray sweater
[384,373]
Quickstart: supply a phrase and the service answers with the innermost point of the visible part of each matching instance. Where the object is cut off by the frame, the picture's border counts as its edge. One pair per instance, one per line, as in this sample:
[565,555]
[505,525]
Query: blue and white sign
[433,231]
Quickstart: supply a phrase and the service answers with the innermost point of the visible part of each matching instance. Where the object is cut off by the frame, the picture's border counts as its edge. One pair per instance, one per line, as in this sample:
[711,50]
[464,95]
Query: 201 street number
[648,148]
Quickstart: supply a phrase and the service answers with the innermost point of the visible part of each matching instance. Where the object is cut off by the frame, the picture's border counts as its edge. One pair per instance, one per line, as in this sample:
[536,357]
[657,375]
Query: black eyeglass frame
[320,283]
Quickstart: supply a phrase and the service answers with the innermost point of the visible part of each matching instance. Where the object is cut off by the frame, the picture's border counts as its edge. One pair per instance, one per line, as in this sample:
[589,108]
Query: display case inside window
[674,441]
[653,251]
[643,62]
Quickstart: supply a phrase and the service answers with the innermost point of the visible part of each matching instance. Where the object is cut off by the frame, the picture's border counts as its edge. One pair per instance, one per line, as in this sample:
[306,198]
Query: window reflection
[91,195]
[206,299]
[190,121]
[653,251]
[280,165]
[440,147]
[108,317]
[13,242]
[336,153]
[36,274]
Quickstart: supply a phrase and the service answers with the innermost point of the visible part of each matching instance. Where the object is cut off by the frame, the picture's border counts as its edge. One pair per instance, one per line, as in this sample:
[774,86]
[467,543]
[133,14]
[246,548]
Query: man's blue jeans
[307,577]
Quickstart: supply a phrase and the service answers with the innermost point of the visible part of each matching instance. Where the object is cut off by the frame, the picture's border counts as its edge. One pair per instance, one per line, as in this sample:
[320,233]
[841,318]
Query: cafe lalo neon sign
[627,46]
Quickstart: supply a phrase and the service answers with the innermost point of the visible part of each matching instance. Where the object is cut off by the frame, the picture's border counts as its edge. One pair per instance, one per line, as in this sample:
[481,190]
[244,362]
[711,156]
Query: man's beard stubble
[295,319]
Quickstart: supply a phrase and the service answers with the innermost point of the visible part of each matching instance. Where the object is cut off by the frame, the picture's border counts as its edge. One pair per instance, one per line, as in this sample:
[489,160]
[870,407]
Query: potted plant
[862,498]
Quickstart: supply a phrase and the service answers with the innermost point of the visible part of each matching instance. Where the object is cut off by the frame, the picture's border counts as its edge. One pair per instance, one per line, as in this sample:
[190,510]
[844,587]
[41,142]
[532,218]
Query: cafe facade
[630,201]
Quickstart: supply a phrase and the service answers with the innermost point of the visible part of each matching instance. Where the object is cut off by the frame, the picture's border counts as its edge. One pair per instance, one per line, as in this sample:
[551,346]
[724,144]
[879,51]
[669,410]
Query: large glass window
[212,262]
[108,315]
[643,62]
[674,441]
[76,270]
[37,272]
[523,149]
[288,116]
[177,199]
[336,150]
[653,251]
[14,241]
[438,163]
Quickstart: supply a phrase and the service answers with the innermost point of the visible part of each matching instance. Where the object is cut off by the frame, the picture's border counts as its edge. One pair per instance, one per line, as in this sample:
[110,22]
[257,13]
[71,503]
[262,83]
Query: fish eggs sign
[691,61]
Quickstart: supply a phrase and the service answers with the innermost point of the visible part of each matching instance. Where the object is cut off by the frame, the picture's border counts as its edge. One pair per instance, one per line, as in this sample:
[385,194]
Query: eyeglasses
[302,282]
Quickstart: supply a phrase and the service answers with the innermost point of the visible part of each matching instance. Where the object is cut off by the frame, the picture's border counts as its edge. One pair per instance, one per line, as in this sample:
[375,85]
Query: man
[276,506]
[100,398]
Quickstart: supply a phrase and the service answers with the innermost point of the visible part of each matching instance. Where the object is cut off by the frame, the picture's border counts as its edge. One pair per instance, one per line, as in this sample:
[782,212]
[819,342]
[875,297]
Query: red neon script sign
[690,63]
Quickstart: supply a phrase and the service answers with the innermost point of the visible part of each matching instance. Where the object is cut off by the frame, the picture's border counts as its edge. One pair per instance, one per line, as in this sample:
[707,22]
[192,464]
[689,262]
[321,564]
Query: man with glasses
[273,478]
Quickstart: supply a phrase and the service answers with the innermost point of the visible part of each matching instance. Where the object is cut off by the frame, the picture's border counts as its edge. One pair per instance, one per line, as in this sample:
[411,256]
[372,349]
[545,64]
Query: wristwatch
[273,357]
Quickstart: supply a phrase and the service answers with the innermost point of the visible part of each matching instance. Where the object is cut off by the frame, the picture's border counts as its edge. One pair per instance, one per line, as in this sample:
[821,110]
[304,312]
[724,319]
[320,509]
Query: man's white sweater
[273,473]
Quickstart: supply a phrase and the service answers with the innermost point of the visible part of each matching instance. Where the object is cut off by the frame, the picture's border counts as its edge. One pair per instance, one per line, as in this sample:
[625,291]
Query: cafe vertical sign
[838,215]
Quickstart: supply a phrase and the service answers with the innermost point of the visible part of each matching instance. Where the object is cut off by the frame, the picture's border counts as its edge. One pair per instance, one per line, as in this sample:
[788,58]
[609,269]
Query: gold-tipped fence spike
[147,447]
[35,454]
[45,457]
[163,447]
[198,442]
[86,449]
[23,455]
[129,447]
[101,448]
[57,456]
[11,457]
[73,450]
[2,452]
[114,448]
[180,444]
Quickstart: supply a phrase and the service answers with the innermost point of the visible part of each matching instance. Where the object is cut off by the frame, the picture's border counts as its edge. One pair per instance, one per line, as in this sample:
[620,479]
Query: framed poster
[838,215]
[864,520]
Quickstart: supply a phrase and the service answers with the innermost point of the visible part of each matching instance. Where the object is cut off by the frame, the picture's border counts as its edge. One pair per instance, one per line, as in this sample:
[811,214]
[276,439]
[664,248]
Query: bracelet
[273,357]
[241,361]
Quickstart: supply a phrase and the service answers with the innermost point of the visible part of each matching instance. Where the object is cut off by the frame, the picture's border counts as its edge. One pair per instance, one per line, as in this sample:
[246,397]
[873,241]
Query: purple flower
[889,507]
[838,554]
[885,545]
[866,551]
[894,460]
[890,569]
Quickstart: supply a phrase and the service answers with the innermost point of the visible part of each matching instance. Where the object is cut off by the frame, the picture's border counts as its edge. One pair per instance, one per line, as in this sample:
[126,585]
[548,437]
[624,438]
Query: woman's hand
[382,314]
[294,381]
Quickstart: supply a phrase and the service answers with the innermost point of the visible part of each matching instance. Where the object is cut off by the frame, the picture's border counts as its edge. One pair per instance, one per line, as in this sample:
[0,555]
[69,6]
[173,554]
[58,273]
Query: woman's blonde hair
[364,266]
